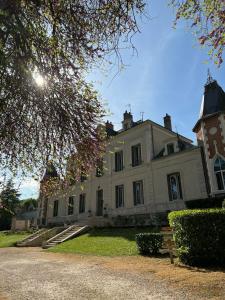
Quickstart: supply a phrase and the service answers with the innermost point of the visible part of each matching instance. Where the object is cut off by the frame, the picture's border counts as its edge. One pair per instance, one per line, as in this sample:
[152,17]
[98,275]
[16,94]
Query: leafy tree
[26,203]
[10,197]
[207,17]
[9,201]
[48,111]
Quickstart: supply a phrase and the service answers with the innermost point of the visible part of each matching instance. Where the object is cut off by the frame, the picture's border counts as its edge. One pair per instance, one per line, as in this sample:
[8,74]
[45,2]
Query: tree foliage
[28,204]
[9,197]
[48,111]
[9,201]
[207,17]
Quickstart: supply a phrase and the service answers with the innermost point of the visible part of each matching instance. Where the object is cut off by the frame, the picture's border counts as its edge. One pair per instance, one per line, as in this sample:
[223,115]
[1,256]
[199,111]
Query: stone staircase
[36,239]
[30,238]
[71,232]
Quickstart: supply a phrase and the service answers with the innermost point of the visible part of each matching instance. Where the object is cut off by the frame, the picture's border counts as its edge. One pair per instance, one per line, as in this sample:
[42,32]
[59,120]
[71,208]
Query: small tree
[9,201]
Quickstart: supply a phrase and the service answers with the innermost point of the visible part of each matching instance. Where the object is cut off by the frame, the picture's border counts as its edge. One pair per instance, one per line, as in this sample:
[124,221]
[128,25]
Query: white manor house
[149,171]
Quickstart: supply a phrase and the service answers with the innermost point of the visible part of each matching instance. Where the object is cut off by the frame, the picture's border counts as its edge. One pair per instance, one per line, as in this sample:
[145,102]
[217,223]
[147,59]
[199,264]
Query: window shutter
[169,188]
[132,154]
[116,161]
[180,188]
[117,197]
[139,154]
[134,193]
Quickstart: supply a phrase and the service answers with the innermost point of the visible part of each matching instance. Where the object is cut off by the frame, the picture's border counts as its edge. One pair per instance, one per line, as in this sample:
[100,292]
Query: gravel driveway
[31,273]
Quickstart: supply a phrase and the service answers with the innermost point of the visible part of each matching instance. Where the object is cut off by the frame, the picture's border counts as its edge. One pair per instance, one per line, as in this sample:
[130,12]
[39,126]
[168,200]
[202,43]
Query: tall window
[170,148]
[119,196]
[83,176]
[99,169]
[136,155]
[138,192]
[174,186]
[219,170]
[55,208]
[70,205]
[82,204]
[119,161]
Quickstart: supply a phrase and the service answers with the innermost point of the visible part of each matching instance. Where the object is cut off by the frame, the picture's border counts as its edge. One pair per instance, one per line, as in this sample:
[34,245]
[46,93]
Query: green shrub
[199,236]
[149,243]
[205,203]
[223,204]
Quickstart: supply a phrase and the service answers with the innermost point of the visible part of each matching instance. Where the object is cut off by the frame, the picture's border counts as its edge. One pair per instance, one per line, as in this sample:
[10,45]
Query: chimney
[127,120]
[109,125]
[167,122]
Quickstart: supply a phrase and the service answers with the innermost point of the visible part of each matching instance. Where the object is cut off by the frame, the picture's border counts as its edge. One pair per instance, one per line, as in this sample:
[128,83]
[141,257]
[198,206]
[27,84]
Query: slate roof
[213,101]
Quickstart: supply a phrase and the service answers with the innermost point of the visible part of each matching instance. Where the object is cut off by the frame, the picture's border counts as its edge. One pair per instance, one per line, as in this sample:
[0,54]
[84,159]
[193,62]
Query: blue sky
[167,76]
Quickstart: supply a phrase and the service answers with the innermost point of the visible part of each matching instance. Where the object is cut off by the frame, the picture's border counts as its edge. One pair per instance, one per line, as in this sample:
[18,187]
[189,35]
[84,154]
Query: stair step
[70,233]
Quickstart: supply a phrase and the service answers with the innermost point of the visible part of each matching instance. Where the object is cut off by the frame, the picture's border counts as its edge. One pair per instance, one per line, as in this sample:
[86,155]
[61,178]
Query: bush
[205,203]
[5,219]
[223,204]
[199,236]
[149,243]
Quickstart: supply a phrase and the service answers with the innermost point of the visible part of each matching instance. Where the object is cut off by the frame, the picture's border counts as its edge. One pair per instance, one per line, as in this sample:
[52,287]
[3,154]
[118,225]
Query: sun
[40,81]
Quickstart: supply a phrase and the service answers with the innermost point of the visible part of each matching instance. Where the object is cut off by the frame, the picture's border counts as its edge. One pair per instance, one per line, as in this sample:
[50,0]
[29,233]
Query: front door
[99,202]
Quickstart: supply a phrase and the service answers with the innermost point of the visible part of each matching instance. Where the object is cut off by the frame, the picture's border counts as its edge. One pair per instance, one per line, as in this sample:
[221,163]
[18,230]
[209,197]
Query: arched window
[219,170]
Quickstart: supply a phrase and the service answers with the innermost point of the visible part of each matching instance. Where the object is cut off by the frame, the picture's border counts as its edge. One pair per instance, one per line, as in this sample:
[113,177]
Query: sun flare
[40,81]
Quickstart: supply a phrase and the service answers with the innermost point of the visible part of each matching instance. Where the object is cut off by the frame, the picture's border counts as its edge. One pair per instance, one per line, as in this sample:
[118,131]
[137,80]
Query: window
[138,192]
[82,204]
[119,196]
[174,186]
[83,177]
[119,161]
[219,170]
[70,205]
[99,169]
[136,155]
[170,148]
[99,203]
[55,208]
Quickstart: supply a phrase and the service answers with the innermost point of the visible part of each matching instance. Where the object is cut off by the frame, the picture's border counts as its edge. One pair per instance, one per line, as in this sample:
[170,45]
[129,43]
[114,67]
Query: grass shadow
[126,233]
[202,269]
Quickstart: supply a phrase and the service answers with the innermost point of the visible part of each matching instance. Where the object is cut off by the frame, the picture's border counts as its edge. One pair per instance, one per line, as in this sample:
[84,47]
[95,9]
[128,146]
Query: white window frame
[220,172]
[119,195]
[138,199]
[174,194]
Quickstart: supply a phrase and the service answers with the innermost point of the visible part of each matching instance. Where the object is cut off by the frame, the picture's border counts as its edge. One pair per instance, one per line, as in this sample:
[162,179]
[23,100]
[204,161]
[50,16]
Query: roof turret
[213,100]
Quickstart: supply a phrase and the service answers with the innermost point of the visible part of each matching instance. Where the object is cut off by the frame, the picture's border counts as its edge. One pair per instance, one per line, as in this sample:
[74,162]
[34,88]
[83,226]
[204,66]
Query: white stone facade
[154,171]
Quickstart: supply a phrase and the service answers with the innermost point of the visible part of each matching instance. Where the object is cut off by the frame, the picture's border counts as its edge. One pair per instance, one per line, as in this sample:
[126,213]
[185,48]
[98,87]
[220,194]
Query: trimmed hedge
[205,203]
[199,236]
[149,243]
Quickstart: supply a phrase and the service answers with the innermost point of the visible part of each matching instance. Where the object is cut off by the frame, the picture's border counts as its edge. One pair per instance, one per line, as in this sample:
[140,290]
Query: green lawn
[9,239]
[105,242]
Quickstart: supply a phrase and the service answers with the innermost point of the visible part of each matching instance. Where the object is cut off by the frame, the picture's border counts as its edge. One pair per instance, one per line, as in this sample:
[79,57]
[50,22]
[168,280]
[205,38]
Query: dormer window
[219,170]
[170,148]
